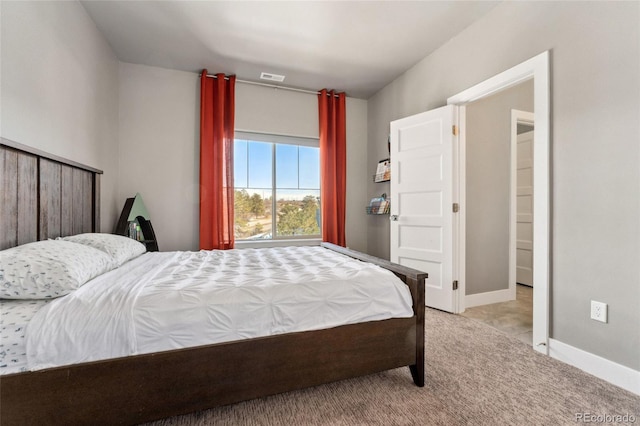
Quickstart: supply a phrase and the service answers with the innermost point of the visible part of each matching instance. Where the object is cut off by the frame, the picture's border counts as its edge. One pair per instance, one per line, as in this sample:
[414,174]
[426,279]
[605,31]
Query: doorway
[498,210]
[494,206]
[514,317]
[536,68]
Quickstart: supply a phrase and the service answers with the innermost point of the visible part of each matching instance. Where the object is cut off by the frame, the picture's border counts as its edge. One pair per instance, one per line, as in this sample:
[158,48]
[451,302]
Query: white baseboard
[488,298]
[614,373]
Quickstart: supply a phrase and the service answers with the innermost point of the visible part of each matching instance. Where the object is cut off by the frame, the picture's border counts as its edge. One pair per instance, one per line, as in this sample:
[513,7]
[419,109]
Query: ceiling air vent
[271,77]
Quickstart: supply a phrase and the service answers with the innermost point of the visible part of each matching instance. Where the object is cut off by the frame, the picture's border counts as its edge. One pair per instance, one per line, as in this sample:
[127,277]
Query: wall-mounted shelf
[378,178]
[379,205]
[377,211]
[383,171]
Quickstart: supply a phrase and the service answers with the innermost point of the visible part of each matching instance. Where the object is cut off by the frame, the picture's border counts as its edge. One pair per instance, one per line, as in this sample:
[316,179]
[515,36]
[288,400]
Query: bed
[44,197]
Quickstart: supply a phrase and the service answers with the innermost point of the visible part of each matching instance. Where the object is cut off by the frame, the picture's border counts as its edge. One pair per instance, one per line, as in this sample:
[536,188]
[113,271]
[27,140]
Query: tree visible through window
[277,187]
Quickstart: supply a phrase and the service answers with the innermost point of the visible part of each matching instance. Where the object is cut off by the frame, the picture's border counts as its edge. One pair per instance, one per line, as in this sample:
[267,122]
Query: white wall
[159,142]
[378,226]
[487,204]
[59,86]
[595,79]
[357,174]
[159,120]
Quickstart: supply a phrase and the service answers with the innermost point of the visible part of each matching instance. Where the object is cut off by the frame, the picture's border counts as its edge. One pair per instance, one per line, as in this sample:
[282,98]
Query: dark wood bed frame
[44,196]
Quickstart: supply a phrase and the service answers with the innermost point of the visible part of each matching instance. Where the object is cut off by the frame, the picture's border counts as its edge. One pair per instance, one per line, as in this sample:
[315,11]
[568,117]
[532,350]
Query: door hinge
[454,130]
[456,207]
[455,284]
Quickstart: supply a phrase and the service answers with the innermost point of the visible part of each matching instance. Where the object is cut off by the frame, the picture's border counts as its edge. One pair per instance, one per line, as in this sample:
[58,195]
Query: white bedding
[14,317]
[163,301]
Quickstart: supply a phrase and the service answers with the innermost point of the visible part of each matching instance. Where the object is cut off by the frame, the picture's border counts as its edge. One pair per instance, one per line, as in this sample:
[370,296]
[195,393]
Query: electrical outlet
[598,311]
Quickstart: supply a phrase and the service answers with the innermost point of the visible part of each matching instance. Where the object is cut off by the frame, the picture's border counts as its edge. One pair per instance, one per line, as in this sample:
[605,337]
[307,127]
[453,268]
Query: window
[277,187]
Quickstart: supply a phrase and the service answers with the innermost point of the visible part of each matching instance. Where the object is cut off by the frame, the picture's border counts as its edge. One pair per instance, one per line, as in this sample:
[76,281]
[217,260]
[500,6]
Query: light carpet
[475,375]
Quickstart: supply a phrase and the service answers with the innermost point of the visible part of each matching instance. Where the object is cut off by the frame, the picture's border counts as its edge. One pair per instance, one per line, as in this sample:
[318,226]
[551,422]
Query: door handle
[394,217]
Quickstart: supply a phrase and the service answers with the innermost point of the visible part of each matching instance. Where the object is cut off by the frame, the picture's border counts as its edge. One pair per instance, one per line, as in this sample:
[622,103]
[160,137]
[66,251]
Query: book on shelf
[383,171]
[378,205]
[383,207]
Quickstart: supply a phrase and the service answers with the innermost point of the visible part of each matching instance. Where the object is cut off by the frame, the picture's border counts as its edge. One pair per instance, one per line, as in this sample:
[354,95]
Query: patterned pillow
[48,269]
[120,248]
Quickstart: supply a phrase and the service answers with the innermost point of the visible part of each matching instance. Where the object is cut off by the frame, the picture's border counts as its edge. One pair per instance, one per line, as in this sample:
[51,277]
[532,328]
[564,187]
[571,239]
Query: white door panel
[421,199]
[524,207]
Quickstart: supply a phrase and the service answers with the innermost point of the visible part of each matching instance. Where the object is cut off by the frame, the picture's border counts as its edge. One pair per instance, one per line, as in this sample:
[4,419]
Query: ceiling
[353,46]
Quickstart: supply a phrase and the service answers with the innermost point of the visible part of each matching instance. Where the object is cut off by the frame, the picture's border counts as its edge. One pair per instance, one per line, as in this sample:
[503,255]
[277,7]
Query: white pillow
[120,248]
[48,269]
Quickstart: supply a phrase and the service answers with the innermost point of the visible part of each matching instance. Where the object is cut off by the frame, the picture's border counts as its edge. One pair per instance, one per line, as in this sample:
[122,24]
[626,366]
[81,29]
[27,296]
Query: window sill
[278,243]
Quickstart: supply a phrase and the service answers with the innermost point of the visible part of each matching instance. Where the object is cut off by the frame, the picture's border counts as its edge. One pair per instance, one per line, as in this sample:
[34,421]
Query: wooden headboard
[44,196]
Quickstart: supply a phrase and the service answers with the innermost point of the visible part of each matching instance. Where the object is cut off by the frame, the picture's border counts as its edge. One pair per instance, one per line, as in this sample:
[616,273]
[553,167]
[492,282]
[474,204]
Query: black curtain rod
[255,83]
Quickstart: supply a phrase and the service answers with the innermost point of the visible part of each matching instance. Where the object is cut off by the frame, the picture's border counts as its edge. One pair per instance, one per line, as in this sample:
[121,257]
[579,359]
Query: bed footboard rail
[415,280]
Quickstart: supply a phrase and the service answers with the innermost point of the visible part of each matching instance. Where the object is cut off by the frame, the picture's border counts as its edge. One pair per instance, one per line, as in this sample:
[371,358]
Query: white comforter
[163,301]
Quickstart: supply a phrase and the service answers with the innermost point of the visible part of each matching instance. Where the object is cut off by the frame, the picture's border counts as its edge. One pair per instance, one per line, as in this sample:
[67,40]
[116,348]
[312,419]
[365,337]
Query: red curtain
[216,161]
[333,165]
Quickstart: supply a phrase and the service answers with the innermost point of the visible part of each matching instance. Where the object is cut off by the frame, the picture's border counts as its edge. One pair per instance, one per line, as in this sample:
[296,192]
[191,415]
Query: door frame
[526,117]
[538,69]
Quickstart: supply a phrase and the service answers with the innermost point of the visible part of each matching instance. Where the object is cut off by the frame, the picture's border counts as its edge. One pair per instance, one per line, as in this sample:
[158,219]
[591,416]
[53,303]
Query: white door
[524,209]
[421,199]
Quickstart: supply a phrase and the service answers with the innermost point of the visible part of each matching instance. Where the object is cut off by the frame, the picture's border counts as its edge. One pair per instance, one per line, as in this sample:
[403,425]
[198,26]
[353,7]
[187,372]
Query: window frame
[275,241]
